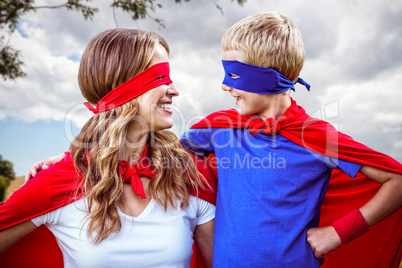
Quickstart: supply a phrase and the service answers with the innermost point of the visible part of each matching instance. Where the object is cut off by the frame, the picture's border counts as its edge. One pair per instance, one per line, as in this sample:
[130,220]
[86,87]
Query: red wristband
[351,226]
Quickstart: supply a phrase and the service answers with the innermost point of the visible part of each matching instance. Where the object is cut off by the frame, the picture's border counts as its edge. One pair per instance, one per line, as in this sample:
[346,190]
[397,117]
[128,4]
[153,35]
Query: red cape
[381,247]
[51,189]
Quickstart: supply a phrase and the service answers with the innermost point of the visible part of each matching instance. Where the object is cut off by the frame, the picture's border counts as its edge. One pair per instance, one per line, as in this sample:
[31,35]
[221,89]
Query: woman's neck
[135,143]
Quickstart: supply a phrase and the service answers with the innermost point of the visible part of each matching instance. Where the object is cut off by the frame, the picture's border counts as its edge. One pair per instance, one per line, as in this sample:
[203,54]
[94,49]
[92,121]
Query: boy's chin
[243,111]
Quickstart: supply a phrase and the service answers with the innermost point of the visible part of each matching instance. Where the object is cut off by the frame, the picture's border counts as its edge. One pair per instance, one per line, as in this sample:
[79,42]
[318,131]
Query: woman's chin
[164,125]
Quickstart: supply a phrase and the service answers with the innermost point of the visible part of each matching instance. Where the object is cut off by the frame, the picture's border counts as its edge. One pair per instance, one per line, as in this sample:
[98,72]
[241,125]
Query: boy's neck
[276,104]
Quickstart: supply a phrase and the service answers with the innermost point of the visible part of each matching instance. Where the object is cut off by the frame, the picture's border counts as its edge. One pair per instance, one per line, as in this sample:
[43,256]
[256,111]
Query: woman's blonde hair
[110,59]
[269,40]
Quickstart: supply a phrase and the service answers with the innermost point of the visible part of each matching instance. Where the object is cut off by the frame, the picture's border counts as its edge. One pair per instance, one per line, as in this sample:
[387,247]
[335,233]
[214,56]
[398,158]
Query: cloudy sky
[353,63]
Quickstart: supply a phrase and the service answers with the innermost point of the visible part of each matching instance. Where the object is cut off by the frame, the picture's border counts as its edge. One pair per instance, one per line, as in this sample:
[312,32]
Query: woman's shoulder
[200,204]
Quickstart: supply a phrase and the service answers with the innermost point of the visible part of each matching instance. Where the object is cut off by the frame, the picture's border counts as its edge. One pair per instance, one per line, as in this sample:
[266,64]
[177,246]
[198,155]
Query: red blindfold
[154,76]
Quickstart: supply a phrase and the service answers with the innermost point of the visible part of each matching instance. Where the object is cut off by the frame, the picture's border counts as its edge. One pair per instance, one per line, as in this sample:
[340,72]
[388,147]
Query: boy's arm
[11,235]
[41,165]
[198,141]
[386,201]
[195,141]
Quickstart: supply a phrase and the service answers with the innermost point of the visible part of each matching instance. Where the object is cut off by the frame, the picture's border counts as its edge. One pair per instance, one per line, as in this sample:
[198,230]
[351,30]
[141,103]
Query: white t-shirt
[153,239]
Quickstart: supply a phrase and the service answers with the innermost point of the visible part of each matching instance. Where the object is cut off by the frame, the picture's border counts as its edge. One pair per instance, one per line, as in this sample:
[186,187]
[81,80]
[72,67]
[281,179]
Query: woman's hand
[323,240]
[41,165]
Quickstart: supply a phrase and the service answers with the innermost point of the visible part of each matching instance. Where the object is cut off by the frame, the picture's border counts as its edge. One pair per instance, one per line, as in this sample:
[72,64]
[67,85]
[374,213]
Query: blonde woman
[136,210]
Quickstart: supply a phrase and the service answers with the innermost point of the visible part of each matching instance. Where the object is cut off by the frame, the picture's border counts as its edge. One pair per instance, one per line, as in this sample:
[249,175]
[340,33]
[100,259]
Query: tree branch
[51,7]
[12,10]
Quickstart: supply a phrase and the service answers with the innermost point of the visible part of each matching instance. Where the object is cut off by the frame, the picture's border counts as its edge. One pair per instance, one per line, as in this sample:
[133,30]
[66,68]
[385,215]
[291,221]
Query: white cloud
[48,89]
[354,57]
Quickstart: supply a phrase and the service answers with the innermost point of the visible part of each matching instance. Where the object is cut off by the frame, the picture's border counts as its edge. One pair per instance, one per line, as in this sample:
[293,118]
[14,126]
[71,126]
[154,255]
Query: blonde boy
[274,162]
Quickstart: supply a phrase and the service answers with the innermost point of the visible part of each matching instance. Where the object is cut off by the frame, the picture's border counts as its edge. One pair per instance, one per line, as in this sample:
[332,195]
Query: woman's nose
[172,90]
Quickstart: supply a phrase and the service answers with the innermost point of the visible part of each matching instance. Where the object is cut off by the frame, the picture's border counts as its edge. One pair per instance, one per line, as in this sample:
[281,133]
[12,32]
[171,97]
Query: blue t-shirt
[270,191]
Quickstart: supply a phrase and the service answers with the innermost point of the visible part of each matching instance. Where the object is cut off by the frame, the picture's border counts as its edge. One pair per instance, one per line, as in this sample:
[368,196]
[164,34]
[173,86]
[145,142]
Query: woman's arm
[11,235]
[204,238]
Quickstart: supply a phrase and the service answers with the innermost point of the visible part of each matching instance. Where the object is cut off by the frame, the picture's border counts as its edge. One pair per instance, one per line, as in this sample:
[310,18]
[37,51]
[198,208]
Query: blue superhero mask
[255,79]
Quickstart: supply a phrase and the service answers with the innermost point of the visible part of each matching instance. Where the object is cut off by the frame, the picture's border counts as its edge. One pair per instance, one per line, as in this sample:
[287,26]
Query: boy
[274,162]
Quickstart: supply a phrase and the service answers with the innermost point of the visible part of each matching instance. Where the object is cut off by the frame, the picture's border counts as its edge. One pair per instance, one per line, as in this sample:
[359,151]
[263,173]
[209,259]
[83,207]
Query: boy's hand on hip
[323,240]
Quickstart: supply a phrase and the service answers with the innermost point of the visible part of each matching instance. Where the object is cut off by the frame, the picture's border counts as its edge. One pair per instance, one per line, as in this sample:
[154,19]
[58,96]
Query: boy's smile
[247,103]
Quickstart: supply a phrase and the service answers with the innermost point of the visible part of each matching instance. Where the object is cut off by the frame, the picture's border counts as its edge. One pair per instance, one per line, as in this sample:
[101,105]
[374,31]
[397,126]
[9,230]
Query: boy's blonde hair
[269,40]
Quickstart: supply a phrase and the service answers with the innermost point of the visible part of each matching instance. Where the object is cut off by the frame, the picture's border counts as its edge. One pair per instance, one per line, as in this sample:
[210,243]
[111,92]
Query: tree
[6,175]
[12,10]
[4,183]
[6,169]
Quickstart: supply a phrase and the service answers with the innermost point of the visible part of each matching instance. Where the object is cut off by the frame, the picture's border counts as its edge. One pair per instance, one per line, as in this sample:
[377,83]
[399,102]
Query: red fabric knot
[132,173]
[268,127]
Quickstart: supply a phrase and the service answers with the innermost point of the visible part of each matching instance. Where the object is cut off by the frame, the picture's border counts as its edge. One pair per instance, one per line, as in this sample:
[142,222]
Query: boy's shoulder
[223,119]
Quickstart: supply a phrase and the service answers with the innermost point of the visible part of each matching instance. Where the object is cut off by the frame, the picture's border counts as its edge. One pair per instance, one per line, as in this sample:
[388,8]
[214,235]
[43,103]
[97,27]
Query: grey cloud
[348,43]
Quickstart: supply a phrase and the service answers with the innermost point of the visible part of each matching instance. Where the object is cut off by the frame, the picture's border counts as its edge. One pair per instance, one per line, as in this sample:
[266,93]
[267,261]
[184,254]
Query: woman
[137,209]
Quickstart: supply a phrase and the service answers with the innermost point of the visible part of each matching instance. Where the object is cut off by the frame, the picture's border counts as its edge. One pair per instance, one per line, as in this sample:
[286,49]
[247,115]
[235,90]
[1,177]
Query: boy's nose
[225,87]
